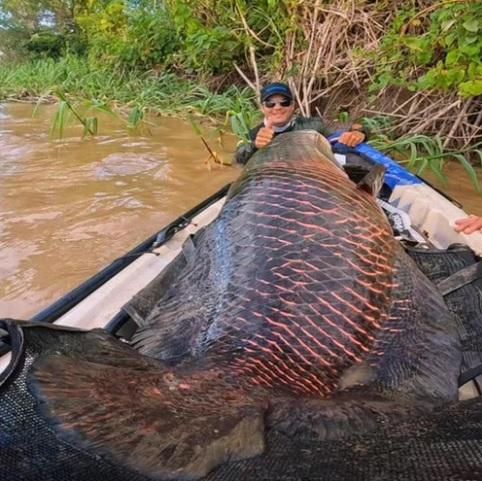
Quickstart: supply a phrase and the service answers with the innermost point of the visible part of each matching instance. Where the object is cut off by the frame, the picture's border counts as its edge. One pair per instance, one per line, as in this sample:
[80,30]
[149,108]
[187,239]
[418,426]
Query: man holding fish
[278,107]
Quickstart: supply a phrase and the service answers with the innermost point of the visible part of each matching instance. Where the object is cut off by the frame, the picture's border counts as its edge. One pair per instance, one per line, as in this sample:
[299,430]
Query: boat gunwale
[75,296]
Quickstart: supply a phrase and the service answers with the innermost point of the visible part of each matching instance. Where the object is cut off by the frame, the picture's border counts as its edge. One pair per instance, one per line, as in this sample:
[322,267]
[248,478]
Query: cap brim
[270,94]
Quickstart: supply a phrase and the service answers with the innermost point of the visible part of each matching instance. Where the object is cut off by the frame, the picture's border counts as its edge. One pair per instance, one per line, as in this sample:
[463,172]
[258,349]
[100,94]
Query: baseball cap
[275,88]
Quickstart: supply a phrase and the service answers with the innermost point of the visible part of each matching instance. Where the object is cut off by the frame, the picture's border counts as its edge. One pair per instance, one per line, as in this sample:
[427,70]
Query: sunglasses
[284,103]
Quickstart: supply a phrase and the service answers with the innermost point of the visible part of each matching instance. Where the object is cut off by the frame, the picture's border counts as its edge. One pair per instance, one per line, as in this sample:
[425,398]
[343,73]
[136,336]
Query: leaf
[60,119]
[471,88]
[452,57]
[471,25]
[446,25]
[455,76]
[90,126]
[135,116]
[470,50]
[469,169]
[479,153]
[449,39]
[436,168]
[422,166]
[469,40]
[195,126]
[343,116]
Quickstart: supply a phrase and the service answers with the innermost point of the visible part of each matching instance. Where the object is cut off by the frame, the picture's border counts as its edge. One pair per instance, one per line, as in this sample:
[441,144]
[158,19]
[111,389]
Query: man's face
[274,110]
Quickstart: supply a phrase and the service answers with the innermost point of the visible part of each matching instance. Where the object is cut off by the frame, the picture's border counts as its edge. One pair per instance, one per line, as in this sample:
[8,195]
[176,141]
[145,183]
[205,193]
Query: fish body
[295,311]
[301,273]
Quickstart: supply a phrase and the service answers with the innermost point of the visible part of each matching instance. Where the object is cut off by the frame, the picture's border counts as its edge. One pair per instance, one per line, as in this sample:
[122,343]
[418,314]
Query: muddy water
[68,208]
[459,187]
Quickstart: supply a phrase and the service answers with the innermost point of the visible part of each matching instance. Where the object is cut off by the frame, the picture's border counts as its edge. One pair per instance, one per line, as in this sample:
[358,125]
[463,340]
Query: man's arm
[352,137]
[245,150]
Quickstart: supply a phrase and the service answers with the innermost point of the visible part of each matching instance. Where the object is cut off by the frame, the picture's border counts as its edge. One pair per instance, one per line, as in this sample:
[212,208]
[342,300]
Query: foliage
[66,110]
[45,28]
[128,37]
[45,43]
[420,152]
[205,32]
[442,50]
[137,91]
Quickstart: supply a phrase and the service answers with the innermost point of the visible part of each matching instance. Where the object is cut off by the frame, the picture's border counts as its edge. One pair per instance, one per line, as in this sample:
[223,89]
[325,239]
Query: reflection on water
[69,207]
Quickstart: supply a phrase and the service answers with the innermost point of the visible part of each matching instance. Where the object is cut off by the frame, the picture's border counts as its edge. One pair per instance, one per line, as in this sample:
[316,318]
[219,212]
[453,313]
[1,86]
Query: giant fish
[295,311]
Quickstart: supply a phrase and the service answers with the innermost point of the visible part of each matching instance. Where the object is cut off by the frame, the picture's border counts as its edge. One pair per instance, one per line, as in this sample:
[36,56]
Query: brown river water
[70,207]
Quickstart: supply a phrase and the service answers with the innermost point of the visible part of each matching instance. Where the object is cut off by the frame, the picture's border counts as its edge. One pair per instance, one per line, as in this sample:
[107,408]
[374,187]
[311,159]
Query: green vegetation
[416,64]
[442,53]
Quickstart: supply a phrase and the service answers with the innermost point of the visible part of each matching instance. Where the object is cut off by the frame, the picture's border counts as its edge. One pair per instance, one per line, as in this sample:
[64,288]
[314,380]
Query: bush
[440,51]
[45,44]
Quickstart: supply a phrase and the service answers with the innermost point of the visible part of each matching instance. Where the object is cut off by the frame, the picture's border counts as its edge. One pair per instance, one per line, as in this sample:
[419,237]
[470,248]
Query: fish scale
[288,282]
[297,312]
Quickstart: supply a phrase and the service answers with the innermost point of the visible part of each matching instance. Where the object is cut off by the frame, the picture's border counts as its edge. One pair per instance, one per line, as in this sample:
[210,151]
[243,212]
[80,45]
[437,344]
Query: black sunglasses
[270,104]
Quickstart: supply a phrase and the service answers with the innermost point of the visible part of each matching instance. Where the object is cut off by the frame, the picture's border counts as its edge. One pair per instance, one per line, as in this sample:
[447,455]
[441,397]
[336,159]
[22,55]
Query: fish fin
[373,181]
[355,411]
[356,172]
[418,352]
[152,420]
[161,287]
[189,249]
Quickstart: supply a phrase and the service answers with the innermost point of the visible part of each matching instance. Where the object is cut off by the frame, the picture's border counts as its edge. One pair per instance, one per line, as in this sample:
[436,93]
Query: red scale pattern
[310,278]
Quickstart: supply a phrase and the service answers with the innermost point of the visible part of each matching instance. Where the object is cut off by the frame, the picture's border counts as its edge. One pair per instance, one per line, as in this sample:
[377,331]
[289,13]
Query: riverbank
[134,95]
[159,92]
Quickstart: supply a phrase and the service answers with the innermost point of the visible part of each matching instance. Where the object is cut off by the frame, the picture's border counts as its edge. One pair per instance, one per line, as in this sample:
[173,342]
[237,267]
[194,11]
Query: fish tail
[350,413]
[151,419]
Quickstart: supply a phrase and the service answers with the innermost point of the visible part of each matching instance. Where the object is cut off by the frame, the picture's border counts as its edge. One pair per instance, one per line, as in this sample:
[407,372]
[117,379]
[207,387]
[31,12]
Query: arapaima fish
[294,312]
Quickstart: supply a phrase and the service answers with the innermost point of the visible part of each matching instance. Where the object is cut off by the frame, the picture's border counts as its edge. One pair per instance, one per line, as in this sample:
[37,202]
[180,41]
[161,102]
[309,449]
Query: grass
[158,92]
[420,152]
[81,91]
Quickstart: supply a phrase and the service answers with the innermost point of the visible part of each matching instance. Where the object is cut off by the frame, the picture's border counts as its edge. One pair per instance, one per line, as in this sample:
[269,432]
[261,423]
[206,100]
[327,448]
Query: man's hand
[265,135]
[351,138]
[468,225]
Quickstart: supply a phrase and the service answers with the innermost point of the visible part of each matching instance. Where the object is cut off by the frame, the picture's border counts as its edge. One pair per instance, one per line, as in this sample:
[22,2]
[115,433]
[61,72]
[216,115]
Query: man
[278,108]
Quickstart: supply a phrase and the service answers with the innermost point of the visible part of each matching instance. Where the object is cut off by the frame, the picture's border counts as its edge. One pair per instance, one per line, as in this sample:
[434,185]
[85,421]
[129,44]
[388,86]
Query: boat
[426,217]
[422,218]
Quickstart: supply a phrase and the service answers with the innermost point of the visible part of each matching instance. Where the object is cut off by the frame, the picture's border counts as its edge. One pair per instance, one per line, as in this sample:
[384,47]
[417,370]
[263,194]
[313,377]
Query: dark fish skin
[298,311]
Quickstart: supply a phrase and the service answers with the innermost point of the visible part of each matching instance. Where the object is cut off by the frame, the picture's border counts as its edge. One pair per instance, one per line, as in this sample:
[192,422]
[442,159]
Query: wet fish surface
[295,312]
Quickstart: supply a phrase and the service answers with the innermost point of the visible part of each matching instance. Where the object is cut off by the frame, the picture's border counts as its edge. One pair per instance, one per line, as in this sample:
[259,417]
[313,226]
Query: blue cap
[276,88]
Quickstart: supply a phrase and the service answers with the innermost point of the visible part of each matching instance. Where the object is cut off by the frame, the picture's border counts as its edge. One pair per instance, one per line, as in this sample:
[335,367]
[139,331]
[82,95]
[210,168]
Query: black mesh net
[464,303]
[445,445]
